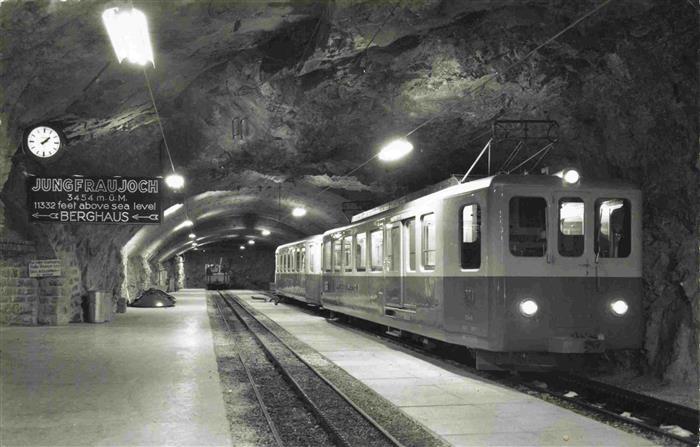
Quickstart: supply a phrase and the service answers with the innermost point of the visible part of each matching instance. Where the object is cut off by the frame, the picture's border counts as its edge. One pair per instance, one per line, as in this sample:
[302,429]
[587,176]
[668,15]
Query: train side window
[571,227]
[327,256]
[470,221]
[361,251]
[376,250]
[347,253]
[302,263]
[337,260]
[428,241]
[392,251]
[613,228]
[409,226]
[311,258]
[528,226]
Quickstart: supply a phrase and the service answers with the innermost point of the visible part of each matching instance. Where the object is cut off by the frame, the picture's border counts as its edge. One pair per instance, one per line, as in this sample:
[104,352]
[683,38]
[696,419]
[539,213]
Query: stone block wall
[26,301]
[18,296]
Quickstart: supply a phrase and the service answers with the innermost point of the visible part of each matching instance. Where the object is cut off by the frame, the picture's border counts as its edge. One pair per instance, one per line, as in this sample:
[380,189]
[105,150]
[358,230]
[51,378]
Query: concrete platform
[147,378]
[464,410]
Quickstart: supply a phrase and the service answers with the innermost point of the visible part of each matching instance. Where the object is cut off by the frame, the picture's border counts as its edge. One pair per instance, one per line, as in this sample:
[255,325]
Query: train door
[572,262]
[393,275]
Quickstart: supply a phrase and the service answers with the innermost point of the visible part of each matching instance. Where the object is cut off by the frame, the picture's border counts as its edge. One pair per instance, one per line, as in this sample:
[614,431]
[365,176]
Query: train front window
[347,253]
[571,227]
[612,228]
[471,237]
[376,240]
[361,252]
[528,226]
[428,241]
[409,226]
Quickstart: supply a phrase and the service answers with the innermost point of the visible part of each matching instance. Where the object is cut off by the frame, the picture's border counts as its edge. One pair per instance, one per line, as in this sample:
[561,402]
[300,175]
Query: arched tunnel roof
[241,214]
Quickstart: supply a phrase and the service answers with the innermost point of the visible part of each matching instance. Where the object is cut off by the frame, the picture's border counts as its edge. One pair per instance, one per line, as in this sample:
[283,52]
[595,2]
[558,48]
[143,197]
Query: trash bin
[99,307]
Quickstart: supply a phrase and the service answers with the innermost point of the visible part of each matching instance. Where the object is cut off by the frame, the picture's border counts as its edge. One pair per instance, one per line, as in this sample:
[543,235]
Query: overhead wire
[493,76]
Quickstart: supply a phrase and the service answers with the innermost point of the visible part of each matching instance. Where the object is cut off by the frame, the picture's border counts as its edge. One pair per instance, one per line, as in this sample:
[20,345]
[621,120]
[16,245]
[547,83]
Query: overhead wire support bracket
[481,154]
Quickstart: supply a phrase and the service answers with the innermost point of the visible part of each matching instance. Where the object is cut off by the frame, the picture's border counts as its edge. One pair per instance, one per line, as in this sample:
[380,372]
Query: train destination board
[100,200]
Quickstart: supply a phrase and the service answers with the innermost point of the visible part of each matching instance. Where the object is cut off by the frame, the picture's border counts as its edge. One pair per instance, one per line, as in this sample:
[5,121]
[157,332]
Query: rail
[245,316]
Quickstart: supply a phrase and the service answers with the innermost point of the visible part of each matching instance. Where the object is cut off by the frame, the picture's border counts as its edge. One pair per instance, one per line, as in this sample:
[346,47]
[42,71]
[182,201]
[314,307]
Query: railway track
[343,423]
[653,416]
[660,417]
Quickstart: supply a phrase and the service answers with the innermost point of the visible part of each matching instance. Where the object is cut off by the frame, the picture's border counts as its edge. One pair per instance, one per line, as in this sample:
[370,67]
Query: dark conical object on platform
[154,298]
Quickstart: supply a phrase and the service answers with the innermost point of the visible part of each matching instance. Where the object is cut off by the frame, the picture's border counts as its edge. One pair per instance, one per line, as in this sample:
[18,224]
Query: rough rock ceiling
[320,86]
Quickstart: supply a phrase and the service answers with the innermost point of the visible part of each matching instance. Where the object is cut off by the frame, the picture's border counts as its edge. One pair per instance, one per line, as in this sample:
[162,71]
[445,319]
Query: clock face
[43,142]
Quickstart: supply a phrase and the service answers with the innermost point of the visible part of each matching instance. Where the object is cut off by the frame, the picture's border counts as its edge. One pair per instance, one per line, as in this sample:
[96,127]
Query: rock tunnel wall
[623,87]
[250,269]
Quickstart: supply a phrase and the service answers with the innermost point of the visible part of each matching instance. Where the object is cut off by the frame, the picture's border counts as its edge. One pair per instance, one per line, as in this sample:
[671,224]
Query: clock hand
[45,140]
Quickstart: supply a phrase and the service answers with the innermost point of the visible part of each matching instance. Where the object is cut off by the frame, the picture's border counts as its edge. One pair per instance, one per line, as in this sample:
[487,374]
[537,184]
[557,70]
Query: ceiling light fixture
[265,232]
[395,150]
[188,223]
[251,242]
[192,235]
[299,212]
[128,31]
[172,209]
[242,247]
[175,181]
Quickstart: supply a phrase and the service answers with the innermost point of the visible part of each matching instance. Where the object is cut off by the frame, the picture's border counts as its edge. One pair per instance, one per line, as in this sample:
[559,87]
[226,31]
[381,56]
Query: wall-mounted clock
[44,141]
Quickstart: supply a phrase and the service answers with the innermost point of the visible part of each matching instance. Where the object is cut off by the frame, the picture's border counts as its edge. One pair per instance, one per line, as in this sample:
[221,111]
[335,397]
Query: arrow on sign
[152,217]
[50,215]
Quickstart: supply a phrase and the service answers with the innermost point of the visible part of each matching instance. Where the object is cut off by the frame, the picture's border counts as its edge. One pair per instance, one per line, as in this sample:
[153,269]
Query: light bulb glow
[299,212]
[191,235]
[175,181]
[242,247]
[571,176]
[187,223]
[395,150]
[619,307]
[265,232]
[128,32]
[528,307]
[251,242]
[172,209]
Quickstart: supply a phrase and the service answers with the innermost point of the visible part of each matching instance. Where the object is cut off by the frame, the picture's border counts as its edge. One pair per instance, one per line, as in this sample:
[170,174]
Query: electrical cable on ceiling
[493,76]
[160,124]
[488,79]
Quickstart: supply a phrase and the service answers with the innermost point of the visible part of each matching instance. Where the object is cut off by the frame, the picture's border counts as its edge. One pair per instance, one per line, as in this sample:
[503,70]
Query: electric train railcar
[517,268]
[298,270]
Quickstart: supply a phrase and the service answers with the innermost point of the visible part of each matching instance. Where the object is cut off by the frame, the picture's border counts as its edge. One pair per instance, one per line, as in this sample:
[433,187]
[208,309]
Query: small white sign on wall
[44,267]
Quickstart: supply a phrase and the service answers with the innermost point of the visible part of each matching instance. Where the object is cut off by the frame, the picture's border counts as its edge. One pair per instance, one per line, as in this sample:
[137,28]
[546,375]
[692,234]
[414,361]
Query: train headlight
[619,307]
[528,307]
